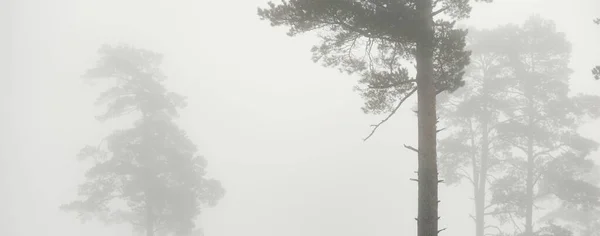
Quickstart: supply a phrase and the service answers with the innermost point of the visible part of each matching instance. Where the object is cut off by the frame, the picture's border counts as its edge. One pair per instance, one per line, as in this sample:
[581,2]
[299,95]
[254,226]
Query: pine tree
[585,221]
[386,34]
[471,150]
[147,175]
[550,155]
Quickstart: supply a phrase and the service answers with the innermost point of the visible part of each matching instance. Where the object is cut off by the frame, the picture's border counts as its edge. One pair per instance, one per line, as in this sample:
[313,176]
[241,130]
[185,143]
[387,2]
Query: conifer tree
[148,175]
[550,156]
[472,114]
[375,38]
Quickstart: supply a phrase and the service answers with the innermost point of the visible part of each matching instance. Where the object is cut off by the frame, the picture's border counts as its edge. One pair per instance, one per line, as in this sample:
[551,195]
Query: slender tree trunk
[527,87]
[427,220]
[529,195]
[481,178]
[481,187]
[149,219]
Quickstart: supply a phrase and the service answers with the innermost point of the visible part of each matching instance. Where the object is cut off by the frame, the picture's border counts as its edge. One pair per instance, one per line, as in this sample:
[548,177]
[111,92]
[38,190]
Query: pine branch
[439,11]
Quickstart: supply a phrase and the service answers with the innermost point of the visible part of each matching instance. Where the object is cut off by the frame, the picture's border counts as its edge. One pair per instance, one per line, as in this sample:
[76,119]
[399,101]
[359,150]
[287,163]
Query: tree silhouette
[471,151]
[374,38]
[549,155]
[147,175]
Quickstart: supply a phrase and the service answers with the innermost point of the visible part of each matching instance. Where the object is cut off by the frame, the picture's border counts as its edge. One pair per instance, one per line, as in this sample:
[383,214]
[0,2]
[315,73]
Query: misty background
[281,133]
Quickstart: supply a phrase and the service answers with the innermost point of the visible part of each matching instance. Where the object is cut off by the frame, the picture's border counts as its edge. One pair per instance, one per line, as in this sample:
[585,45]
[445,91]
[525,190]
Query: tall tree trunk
[427,220]
[531,113]
[481,183]
[529,191]
[149,219]
[481,178]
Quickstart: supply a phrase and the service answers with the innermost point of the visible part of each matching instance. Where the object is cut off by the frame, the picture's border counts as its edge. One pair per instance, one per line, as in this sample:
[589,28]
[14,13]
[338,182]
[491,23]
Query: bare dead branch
[441,230]
[496,212]
[465,175]
[416,180]
[411,148]
[391,114]
[512,219]
[493,227]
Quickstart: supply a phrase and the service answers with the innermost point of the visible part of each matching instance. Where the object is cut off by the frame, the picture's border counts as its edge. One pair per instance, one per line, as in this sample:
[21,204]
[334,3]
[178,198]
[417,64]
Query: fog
[283,134]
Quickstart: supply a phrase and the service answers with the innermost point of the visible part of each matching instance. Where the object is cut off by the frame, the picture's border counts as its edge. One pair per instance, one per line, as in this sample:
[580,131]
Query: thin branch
[496,212]
[391,114]
[441,230]
[411,148]
[465,175]
[517,146]
[515,223]
[488,206]
[439,11]
[352,48]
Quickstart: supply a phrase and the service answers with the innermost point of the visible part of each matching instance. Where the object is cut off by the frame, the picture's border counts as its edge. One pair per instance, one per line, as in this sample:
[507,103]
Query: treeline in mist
[502,95]
[513,134]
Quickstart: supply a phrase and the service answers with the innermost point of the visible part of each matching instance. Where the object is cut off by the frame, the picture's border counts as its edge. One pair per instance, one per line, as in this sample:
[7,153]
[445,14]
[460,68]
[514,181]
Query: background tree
[549,154]
[389,33]
[586,221]
[472,150]
[147,175]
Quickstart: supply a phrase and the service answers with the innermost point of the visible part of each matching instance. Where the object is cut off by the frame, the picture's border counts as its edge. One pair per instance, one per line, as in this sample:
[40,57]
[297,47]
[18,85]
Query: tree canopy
[377,40]
[549,155]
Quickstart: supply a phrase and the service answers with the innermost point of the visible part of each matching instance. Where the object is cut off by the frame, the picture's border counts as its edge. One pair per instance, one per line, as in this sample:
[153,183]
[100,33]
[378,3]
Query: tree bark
[427,220]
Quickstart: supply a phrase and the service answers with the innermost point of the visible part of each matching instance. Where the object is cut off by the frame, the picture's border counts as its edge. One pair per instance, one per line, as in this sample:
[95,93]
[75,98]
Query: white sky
[282,133]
